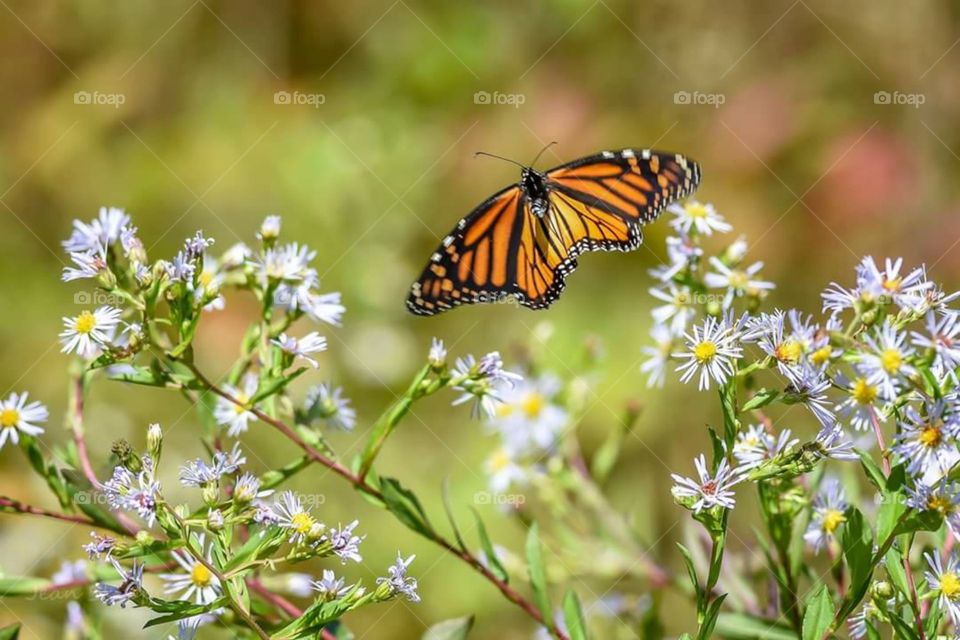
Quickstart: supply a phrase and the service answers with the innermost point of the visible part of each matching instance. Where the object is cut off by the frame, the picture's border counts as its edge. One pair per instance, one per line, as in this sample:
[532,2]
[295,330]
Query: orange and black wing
[502,249]
[473,263]
[597,203]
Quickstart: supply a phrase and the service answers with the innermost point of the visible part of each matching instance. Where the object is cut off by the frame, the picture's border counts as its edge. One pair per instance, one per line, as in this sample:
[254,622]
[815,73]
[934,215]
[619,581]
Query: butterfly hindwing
[596,203]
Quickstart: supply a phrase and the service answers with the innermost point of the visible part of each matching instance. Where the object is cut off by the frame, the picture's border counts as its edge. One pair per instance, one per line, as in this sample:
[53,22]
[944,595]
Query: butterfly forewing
[502,248]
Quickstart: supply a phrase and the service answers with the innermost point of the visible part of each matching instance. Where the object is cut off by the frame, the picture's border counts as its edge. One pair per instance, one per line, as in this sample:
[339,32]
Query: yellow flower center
[9,418]
[930,436]
[200,576]
[892,284]
[241,406]
[682,299]
[941,504]
[863,392]
[697,210]
[739,279]
[821,355]
[832,519]
[302,523]
[950,585]
[499,461]
[206,277]
[891,360]
[85,322]
[533,405]
[504,410]
[788,352]
[705,351]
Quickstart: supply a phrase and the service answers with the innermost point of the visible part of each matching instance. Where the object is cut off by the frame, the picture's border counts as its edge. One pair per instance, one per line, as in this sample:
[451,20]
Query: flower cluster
[877,368]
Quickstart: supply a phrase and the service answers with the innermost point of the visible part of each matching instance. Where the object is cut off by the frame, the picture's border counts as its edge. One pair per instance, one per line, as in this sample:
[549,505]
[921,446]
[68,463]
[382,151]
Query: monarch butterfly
[524,240]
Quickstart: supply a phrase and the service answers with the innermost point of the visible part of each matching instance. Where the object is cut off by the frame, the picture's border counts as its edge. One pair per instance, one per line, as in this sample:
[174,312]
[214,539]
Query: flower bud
[211,493]
[154,440]
[215,520]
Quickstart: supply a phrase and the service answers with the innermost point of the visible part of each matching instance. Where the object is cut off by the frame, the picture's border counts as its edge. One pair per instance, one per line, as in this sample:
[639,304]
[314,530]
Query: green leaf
[896,572]
[857,542]
[453,629]
[710,619]
[496,568]
[739,626]
[819,614]
[728,402]
[405,505]
[10,633]
[445,496]
[692,573]
[537,572]
[270,387]
[573,615]
[139,375]
[874,474]
[902,629]
[760,399]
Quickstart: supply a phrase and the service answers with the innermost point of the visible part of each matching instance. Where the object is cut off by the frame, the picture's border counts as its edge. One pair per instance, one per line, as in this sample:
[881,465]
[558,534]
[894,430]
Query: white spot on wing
[628,153]
[645,154]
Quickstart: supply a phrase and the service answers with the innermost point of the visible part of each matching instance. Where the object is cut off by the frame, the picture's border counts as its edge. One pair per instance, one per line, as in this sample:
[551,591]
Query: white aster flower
[737,282]
[398,582]
[860,405]
[942,497]
[528,416]
[681,253]
[328,403]
[943,339]
[755,446]
[89,332]
[481,381]
[195,581]
[104,230]
[130,586]
[270,228]
[658,355]
[134,492]
[237,417]
[697,217]
[828,514]
[437,357]
[343,543]
[504,471]
[906,291]
[313,342]
[89,264]
[833,443]
[944,580]
[927,442]
[17,416]
[680,307]
[885,363]
[712,349]
[711,490]
[330,587]
[292,515]
[70,572]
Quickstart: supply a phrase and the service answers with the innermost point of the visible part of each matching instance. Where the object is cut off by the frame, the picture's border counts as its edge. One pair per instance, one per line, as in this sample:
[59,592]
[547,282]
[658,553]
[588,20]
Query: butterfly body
[523,241]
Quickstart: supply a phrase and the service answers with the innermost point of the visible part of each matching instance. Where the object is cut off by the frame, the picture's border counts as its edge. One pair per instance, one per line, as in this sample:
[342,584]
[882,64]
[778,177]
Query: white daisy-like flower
[906,291]
[89,332]
[681,253]
[504,471]
[313,342]
[943,339]
[89,264]
[104,230]
[885,363]
[680,307]
[712,349]
[330,587]
[437,357]
[134,492]
[927,442]
[328,403]
[658,355]
[130,586]
[944,580]
[270,228]
[737,282]
[810,389]
[70,572]
[237,417]
[833,443]
[697,217]
[327,308]
[343,543]
[711,490]
[861,404]
[942,497]
[528,417]
[756,445]
[786,348]
[291,515]
[837,298]
[289,263]
[481,382]
[828,514]
[236,256]
[247,489]
[397,580]
[859,621]
[196,581]
[17,416]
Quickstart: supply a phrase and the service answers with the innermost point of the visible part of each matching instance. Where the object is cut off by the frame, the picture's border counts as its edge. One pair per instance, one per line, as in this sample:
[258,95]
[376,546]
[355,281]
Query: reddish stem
[21,507]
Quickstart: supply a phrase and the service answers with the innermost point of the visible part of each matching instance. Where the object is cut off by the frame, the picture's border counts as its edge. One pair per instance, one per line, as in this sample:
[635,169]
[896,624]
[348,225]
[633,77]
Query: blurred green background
[802,156]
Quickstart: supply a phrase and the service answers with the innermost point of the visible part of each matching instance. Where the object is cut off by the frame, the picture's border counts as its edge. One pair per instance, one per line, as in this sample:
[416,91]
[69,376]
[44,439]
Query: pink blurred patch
[762,118]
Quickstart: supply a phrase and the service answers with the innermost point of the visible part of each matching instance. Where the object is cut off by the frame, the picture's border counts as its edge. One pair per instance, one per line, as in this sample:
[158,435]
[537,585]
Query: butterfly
[523,241]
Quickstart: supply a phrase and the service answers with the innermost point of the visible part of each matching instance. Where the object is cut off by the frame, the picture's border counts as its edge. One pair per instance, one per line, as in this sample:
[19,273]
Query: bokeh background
[798,151]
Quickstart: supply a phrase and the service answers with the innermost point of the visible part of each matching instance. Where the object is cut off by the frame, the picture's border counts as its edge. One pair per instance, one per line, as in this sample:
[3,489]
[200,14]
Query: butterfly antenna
[484,153]
[549,144]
